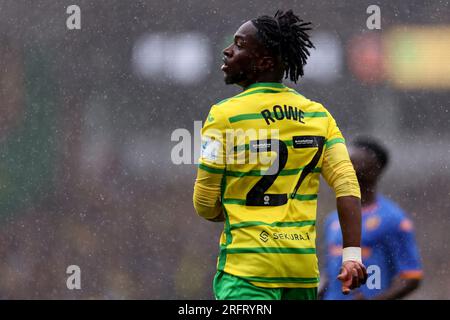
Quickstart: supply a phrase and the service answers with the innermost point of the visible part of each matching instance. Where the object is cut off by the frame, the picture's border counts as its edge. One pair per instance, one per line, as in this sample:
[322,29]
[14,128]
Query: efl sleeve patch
[210,148]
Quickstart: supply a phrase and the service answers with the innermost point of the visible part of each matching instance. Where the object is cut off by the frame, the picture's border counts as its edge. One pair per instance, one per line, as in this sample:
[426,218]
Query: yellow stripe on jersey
[269,234]
[293,266]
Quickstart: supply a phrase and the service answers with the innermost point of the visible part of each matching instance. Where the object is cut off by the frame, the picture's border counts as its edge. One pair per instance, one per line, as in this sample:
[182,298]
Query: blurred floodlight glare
[365,57]
[417,57]
[189,57]
[184,58]
[325,63]
[148,55]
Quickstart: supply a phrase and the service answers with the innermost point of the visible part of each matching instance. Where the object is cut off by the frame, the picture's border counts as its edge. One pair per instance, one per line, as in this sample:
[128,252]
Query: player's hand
[352,275]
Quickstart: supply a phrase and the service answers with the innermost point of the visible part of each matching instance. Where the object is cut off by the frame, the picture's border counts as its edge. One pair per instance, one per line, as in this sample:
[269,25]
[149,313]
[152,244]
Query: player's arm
[207,194]
[211,168]
[339,173]
[353,273]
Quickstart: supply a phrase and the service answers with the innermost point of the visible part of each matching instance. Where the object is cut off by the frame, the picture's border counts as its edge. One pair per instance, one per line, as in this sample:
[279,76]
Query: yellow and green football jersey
[270,206]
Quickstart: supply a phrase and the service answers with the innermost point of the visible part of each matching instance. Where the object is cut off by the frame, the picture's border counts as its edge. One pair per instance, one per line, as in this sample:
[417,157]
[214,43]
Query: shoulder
[314,109]
[389,206]
[391,212]
[310,105]
[228,107]
[316,112]
[233,100]
[216,119]
[225,101]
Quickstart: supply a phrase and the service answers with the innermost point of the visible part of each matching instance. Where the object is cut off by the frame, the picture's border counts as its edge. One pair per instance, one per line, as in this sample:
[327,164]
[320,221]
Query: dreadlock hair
[374,146]
[285,36]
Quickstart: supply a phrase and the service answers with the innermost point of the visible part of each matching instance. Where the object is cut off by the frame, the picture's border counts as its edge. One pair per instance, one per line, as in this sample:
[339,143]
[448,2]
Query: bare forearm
[353,273]
[349,210]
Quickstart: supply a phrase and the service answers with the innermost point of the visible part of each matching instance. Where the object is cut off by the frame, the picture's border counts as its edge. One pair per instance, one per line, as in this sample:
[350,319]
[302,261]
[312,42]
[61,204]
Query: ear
[266,63]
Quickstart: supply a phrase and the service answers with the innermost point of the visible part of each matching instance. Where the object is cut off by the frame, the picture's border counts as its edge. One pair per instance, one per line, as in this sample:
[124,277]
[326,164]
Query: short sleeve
[213,143]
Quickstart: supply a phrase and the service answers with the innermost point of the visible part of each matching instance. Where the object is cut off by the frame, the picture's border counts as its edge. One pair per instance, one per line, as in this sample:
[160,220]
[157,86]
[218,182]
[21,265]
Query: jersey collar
[277,85]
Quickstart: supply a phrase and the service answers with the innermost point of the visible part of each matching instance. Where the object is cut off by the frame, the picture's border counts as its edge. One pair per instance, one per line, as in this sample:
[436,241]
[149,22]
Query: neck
[368,195]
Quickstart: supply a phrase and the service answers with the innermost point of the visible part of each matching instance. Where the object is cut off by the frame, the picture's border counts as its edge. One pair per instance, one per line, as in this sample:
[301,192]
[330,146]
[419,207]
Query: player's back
[270,206]
[273,130]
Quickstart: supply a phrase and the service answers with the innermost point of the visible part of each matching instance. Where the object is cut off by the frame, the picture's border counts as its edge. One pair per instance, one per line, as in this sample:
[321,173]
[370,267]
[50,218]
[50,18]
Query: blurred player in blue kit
[388,242]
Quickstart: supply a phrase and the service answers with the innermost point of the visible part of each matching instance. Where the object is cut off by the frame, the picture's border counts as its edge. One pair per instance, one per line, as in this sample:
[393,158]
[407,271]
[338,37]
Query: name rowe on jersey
[269,234]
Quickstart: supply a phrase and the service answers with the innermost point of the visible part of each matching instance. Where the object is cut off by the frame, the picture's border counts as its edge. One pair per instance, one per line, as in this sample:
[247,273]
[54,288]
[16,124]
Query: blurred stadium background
[86,176]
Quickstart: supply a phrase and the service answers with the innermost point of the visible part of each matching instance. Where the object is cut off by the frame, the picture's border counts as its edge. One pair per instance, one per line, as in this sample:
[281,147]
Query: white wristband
[351,253]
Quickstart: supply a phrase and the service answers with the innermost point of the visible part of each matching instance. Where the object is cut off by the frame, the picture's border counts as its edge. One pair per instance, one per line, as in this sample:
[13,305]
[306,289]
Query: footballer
[267,248]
